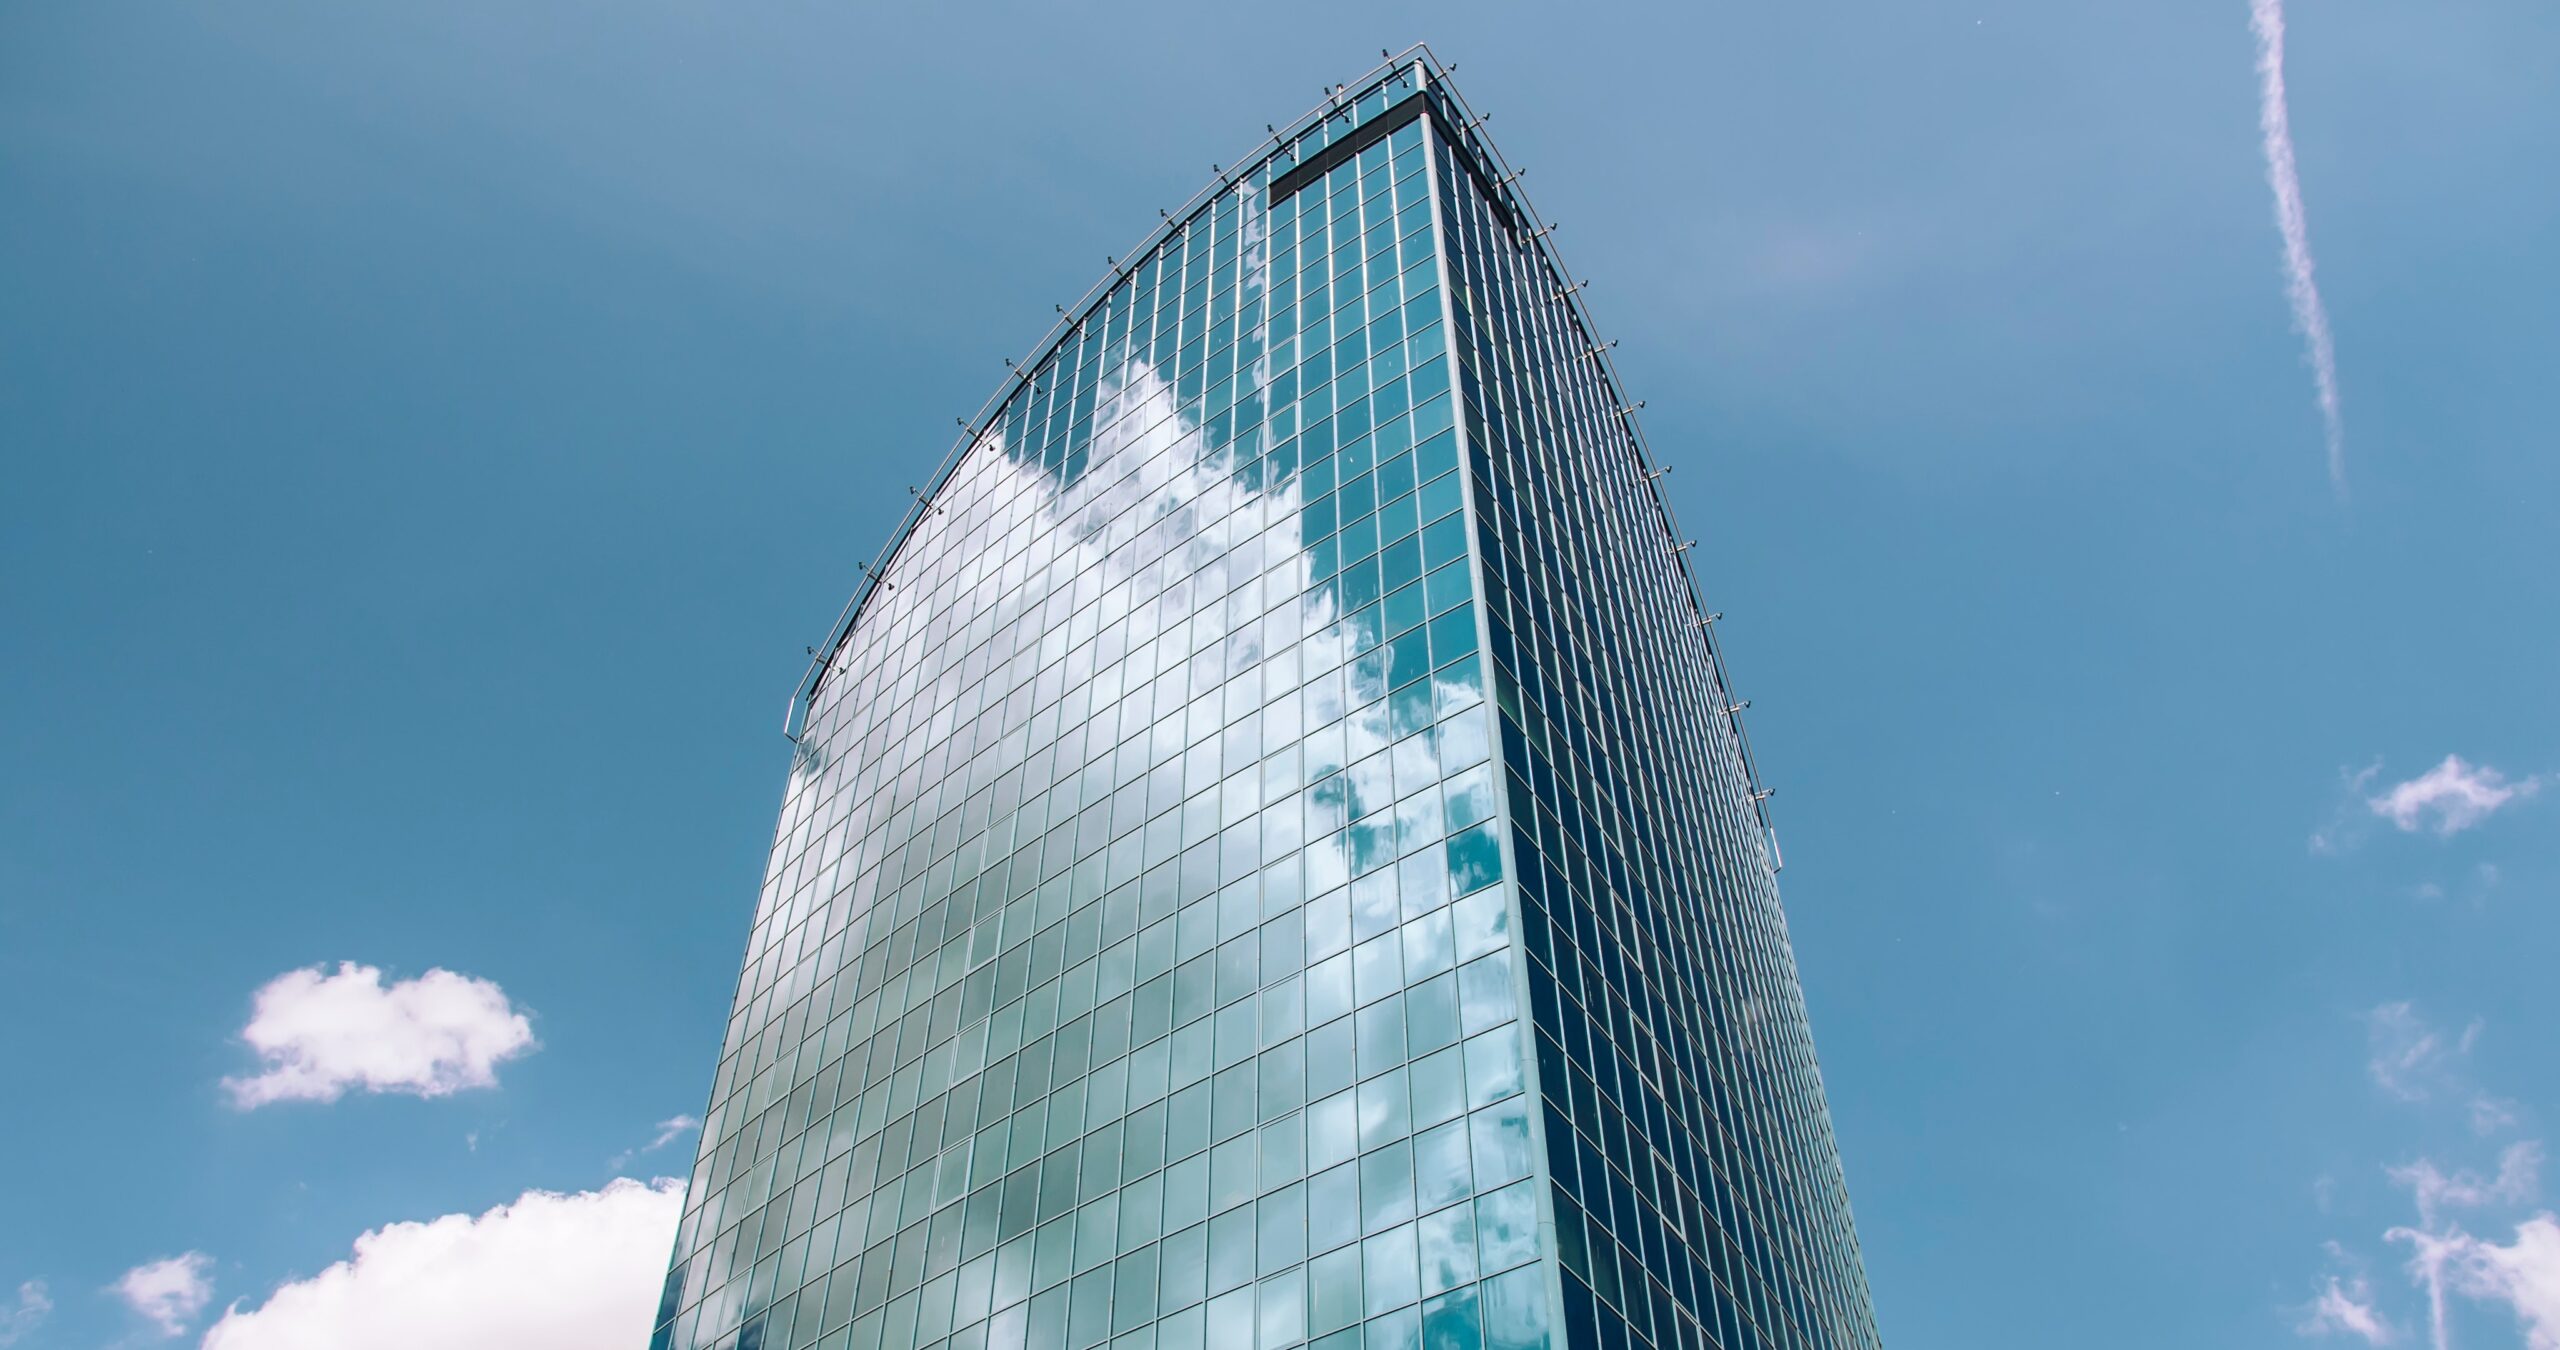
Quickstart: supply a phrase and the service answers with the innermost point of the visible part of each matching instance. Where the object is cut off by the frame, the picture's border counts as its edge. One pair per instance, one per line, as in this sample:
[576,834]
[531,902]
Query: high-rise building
[1270,859]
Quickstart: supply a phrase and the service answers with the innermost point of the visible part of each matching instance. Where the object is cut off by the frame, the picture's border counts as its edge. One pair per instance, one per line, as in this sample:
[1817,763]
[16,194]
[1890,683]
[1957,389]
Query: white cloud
[2310,317]
[2414,1061]
[32,1306]
[2345,1307]
[2524,1274]
[320,1034]
[2444,1259]
[2456,794]
[547,1272]
[2429,1254]
[669,1130]
[168,1293]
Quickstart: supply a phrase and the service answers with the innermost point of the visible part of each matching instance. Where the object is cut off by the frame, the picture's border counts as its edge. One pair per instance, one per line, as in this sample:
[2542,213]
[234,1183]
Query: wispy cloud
[2345,1307]
[2310,317]
[2446,1261]
[669,1130]
[2348,819]
[2436,1191]
[31,1308]
[2524,1274]
[2451,797]
[2443,1258]
[168,1293]
[2408,1058]
[2489,1115]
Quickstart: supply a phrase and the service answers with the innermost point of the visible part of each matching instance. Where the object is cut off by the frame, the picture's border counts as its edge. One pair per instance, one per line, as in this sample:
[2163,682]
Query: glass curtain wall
[1132,966]
[1266,863]
[1697,1190]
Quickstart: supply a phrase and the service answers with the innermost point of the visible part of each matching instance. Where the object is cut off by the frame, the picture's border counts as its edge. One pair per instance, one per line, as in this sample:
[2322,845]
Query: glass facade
[1266,863]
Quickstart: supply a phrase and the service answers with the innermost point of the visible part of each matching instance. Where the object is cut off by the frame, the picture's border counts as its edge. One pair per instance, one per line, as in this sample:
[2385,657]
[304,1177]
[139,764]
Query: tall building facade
[1269,860]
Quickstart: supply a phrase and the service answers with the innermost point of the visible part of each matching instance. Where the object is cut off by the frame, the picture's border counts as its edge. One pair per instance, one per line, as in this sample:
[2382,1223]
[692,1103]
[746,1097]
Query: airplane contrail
[2310,317]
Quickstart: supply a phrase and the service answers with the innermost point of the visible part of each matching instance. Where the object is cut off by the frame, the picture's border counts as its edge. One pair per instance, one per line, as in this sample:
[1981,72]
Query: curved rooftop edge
[1402,86]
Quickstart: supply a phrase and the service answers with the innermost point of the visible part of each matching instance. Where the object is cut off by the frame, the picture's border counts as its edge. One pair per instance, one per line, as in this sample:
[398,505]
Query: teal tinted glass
[1692,1176]
[1076,1009]
[1268,861]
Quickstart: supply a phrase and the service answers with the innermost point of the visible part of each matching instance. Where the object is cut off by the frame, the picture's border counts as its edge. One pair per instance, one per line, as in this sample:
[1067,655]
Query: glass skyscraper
[1269,859]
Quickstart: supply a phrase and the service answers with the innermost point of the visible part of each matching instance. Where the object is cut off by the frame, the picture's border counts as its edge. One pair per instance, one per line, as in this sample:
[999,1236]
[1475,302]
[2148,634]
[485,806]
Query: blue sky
[434,432]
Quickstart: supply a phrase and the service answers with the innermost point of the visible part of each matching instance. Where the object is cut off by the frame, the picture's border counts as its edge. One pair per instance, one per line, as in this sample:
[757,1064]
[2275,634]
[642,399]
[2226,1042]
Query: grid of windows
[1132,965]
[1696,1186]
[1281,707]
